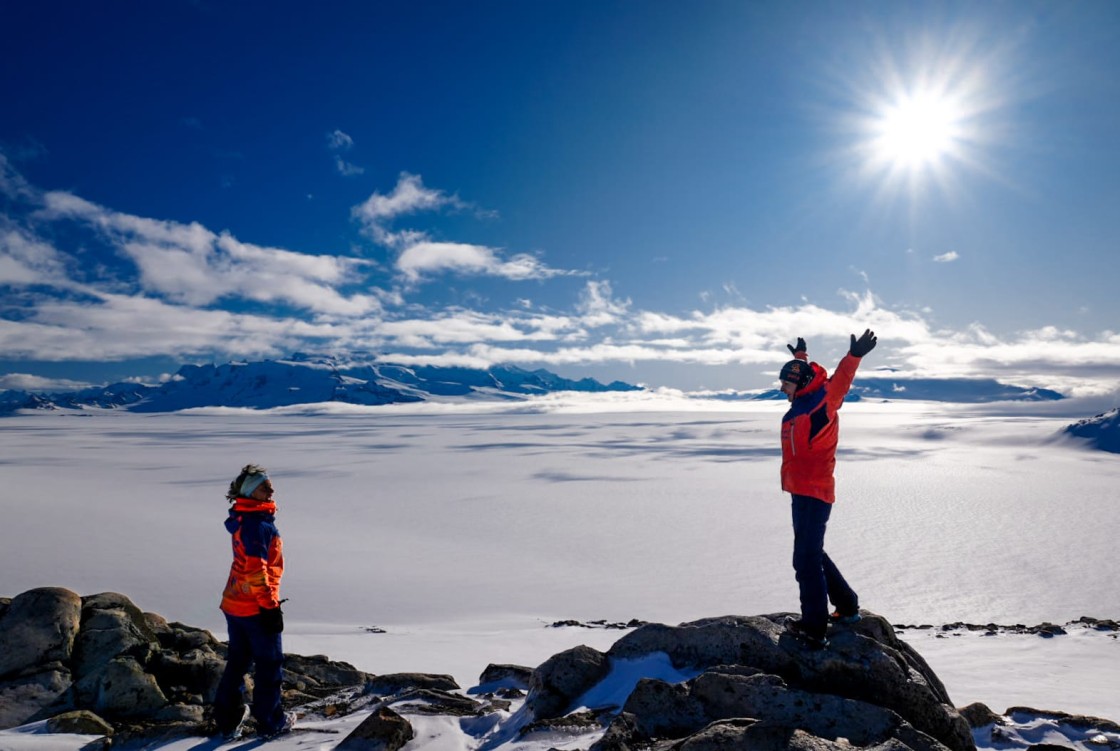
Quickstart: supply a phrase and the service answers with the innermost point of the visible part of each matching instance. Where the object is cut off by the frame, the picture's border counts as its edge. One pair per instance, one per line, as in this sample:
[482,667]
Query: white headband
[251,483]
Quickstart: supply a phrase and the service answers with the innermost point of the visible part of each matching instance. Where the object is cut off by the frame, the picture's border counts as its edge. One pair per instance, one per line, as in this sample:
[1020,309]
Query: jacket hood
[820,376]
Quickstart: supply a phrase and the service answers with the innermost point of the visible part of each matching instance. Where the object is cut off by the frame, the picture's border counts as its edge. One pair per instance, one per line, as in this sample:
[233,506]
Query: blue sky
[661,192]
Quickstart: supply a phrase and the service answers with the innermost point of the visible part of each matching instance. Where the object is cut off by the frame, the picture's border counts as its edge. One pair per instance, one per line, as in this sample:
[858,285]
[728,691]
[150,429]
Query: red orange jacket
[810,430]
[258,558]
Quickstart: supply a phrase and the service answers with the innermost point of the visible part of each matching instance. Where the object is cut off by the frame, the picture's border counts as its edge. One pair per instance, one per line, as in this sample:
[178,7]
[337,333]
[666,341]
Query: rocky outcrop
[1044,630]
[759,685]
[100,662]
[98,665]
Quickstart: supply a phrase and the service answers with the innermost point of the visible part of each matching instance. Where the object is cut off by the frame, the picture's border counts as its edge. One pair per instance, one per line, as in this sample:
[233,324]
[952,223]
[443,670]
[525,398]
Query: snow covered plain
[462,530]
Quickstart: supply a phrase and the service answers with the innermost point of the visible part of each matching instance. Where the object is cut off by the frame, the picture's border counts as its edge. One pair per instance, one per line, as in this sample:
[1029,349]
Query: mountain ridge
[957,390]
[307,379]
[1101,431]
[360,378]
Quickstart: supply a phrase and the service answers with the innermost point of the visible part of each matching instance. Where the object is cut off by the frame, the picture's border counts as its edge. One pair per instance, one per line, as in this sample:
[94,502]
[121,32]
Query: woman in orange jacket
[251,603]
[810,431]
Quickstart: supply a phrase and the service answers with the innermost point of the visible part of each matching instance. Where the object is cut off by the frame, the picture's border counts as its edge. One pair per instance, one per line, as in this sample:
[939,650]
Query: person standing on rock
[251,603]
[810,430]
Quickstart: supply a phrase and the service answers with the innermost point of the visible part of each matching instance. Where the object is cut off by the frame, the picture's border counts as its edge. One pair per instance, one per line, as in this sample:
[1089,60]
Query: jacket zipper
[792,442]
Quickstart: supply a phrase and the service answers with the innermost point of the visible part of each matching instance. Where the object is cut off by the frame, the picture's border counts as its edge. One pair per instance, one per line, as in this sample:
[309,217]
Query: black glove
[272,620]
[800,347]
[864,344]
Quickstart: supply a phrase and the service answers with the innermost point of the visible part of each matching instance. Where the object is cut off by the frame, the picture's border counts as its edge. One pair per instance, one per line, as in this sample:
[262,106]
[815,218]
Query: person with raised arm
[810,431]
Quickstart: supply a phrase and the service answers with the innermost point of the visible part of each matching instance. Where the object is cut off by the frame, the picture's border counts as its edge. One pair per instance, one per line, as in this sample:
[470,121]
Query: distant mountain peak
[1101,431]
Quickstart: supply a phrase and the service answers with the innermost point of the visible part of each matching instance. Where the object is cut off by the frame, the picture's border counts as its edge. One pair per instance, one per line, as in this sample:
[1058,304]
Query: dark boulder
[978,715]
[729,735]
[318,671]
[81,722]
[39,626]
[431,701]
[112,626]
[23,697]
[37,633]
[383,730]
[562,679]
[391,684]
[496,677]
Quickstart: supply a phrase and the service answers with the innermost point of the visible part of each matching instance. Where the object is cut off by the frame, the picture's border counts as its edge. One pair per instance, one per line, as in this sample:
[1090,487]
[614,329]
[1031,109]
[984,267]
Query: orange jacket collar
[250,505]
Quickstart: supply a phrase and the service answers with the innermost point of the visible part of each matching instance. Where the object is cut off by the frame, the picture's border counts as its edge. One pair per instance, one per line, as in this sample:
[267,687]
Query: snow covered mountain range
[958,390]
[361,379]
[309,379]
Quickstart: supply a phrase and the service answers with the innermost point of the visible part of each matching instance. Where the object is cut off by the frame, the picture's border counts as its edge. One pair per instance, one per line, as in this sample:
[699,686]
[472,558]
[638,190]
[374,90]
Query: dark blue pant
[250,644]
[817,575]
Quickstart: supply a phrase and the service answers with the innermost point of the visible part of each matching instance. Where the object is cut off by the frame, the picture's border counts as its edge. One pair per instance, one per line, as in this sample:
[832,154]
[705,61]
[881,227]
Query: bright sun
[917,131]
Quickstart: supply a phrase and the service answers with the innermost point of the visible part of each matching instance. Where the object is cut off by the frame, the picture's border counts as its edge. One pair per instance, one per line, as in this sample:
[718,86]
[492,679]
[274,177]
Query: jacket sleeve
[841,381]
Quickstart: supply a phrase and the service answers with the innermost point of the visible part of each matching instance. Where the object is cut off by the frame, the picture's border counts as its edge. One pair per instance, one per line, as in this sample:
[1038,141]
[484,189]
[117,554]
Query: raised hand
[863,345]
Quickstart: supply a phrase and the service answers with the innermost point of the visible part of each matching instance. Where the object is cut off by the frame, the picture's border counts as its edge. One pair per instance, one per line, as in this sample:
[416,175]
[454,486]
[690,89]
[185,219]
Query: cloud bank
[165,288]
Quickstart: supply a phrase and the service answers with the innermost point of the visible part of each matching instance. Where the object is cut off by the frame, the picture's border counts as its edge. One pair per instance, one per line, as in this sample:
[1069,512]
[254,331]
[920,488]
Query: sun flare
[918,130]
[920,118]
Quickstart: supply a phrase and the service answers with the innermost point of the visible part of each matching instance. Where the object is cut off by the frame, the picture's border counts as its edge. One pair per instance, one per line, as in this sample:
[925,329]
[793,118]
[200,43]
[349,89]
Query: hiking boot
[845,618]
[286,726]
[236,733]
[813,639]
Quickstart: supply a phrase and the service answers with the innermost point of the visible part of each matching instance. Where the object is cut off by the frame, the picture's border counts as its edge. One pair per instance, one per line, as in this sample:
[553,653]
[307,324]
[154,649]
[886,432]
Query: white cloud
[420,256]
[28,382]
[12,184]
[121,326]
[408,197]
[751,335]
[193,237]
[605,352]
[347,169]
[277,275]
[127,326]
[598,306]
[189,264]
[949,257]
[459,327]
[339,141]
[428,258]
[443,359]
[26,260]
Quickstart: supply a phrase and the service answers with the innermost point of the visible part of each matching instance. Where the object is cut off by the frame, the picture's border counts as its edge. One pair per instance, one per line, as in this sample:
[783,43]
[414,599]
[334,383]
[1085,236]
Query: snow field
[464,531]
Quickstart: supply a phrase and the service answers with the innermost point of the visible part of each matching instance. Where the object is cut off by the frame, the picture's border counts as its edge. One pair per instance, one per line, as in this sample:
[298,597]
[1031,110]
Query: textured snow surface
[463,531]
